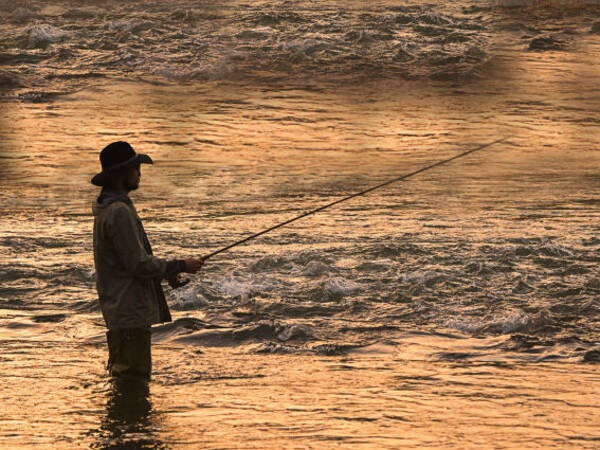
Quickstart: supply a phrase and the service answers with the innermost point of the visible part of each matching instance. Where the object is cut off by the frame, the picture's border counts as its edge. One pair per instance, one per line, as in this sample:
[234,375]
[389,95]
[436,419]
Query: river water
[456,309]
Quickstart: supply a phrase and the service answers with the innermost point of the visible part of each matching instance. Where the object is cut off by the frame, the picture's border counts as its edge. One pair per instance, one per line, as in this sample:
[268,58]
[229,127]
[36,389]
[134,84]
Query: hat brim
[101,178]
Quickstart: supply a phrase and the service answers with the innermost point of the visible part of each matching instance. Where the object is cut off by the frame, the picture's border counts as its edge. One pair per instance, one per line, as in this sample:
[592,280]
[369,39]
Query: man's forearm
[174,267]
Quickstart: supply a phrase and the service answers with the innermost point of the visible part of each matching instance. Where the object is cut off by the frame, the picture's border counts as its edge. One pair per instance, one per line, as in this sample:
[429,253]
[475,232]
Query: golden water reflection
[130,421]
[235,157]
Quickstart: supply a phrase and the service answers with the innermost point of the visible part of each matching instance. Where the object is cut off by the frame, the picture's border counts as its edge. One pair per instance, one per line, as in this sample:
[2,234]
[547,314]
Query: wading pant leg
[129,353]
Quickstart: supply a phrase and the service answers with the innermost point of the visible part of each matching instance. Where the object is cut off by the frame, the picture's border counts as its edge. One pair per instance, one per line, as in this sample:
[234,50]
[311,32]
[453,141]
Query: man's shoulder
[120,205]
[120,209]
[117,207]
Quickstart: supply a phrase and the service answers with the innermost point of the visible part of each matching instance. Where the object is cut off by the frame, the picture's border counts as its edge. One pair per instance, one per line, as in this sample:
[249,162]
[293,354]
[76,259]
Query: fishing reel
[176,282]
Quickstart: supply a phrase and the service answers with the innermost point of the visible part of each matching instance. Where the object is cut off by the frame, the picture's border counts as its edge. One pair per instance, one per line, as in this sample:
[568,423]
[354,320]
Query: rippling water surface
[459,308]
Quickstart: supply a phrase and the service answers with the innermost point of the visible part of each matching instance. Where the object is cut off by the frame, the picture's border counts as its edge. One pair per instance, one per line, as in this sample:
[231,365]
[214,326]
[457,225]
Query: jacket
[128,276]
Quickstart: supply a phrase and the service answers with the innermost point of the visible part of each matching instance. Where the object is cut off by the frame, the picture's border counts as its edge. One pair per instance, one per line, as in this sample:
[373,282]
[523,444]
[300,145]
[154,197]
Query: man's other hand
[177,281]
[193,265]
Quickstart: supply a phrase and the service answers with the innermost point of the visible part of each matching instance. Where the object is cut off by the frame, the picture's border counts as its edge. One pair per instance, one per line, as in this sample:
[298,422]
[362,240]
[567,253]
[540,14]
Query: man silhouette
[128,276]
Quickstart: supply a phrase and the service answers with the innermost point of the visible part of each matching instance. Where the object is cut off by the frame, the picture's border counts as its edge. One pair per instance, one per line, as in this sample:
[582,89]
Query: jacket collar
[107,197]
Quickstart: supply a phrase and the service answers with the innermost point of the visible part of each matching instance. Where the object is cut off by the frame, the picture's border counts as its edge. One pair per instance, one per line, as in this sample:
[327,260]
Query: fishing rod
[358,194]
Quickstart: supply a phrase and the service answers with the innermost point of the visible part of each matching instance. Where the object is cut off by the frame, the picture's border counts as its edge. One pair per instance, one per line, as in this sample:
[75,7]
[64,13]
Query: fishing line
[358,194]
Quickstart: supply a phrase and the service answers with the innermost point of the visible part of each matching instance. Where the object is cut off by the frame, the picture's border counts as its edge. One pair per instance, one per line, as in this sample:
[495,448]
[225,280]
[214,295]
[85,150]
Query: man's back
[127,275]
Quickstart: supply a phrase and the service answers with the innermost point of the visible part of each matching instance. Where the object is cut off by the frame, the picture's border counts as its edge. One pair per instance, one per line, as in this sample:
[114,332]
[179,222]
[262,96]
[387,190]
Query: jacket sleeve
[127,241]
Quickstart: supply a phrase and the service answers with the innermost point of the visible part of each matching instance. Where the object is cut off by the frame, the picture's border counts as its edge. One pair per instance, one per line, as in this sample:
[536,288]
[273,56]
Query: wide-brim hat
[116,157]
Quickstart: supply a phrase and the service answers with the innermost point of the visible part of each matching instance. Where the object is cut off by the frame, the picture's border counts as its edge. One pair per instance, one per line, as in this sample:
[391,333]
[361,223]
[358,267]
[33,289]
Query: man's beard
[131,187]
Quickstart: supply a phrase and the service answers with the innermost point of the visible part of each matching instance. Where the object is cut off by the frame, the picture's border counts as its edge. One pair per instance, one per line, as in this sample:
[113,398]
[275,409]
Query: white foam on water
[41,34]
[297,45]
[187,297]
[315,268]
[553,249]
[124,25]
[465,325]
[256,33]
[520,321]
[293,331]
[435,19]
[338,287]
[515,322]
[238,286]
[174,74]
[215,69]
[212,69]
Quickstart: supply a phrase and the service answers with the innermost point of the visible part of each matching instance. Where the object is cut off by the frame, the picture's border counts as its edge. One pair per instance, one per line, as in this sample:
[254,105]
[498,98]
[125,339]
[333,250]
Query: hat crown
[115,153]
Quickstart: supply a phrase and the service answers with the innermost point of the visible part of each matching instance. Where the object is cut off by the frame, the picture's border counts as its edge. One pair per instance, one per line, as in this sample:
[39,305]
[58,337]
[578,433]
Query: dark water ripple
[493,289]
[541,292]
[78,42]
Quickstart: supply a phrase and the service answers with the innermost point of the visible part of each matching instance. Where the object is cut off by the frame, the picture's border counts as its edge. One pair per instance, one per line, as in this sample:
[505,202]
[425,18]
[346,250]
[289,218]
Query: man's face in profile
[132,181]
